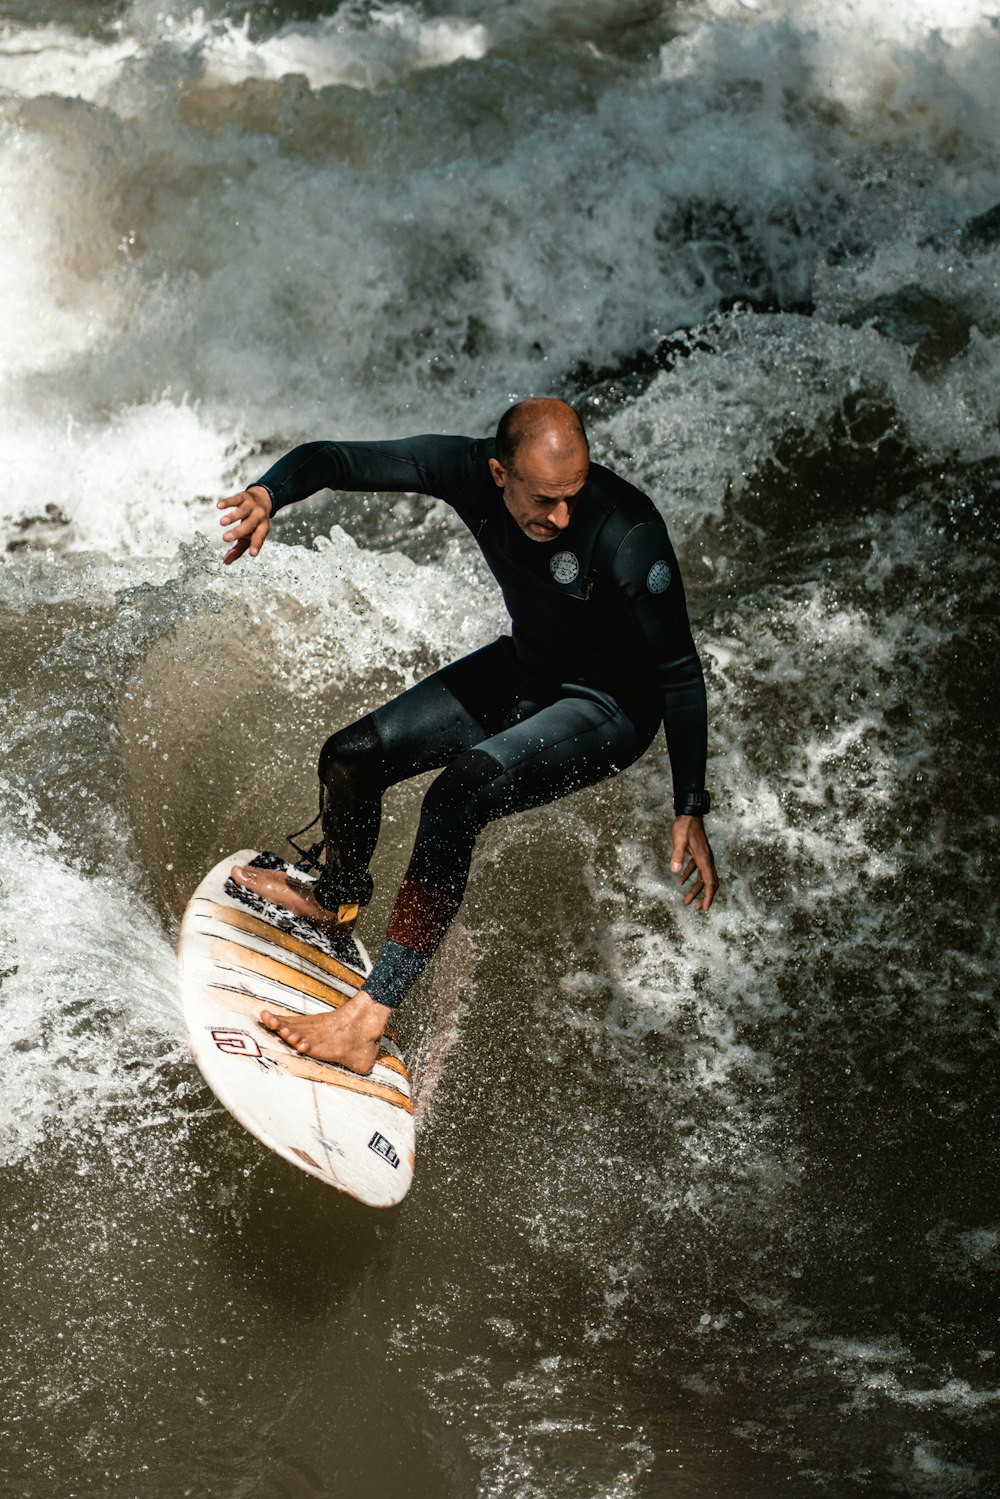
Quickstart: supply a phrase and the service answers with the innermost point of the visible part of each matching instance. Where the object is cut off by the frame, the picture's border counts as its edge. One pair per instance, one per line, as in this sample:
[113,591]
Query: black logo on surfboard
[381,1147]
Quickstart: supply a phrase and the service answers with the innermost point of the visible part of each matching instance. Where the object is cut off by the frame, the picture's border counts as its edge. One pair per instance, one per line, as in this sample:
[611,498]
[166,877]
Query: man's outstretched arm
[430,464]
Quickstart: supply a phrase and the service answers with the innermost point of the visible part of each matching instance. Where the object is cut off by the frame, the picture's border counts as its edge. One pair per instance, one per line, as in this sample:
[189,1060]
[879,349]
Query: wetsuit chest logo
[564,567]
[658,577]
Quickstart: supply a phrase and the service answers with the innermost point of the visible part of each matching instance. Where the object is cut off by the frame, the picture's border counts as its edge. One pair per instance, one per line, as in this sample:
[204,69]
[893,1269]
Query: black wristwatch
[693,804]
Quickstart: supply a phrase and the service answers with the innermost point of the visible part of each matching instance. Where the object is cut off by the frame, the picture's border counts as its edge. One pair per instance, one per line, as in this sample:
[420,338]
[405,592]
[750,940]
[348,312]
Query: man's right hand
[690,842]
[248,516]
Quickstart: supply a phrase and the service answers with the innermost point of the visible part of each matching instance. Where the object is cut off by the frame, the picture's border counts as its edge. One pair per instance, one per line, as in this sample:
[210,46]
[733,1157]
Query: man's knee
[351,761]
[465,791]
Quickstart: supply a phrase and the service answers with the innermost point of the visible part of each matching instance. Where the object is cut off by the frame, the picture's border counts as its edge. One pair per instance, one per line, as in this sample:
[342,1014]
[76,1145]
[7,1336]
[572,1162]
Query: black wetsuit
[600,654]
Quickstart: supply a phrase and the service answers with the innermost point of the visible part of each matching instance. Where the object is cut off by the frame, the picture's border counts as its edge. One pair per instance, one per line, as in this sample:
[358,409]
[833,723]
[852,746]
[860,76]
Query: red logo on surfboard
[237,1043]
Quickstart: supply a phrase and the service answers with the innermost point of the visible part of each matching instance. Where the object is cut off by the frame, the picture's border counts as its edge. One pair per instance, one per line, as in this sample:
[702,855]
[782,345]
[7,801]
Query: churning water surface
[705,1206]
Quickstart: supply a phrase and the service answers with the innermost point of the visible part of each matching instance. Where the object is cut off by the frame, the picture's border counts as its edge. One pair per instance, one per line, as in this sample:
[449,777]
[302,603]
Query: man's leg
[420,730]
[424,728]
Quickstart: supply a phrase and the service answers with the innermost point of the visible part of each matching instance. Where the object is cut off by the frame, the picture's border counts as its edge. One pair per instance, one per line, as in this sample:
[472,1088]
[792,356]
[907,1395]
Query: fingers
[706,886]
[247,537]
[256,495]
[247,518]
[237,507]
[707,882]
[679,849]
[243,522]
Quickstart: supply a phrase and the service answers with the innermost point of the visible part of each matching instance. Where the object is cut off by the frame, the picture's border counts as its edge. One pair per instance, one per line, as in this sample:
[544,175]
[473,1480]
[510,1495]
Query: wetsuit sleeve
[430,464]
[646,573]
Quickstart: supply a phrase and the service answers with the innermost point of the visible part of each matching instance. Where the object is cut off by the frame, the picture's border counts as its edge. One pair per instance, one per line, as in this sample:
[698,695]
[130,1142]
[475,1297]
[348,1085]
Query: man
[601,653]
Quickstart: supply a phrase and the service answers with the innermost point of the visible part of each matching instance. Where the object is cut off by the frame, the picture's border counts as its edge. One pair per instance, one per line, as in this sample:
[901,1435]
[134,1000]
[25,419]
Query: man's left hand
[691,844]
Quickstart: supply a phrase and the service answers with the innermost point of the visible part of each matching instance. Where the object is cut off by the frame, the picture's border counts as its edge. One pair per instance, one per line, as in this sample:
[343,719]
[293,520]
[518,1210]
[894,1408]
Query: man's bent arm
[685,724]
[646,571]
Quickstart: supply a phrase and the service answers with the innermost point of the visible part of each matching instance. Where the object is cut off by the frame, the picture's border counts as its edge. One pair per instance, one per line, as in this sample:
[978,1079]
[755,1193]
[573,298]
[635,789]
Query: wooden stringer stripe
[225,950]
[387,1059]
[244,921]
[333,1076]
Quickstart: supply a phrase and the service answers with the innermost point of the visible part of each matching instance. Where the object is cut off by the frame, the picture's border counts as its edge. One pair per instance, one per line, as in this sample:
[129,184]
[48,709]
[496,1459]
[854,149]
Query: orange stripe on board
[243,921]
[388,1060]
[328,1073]
[225,950]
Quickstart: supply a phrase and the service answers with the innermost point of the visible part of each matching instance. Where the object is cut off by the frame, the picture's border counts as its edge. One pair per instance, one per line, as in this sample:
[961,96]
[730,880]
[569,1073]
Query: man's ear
[498,471]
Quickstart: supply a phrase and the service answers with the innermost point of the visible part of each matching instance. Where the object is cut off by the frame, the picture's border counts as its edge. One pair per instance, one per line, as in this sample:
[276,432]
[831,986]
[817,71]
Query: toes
[285,1032]
[294,1040]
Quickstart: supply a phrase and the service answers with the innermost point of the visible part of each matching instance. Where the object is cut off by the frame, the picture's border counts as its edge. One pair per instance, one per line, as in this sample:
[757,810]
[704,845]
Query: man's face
[541,491]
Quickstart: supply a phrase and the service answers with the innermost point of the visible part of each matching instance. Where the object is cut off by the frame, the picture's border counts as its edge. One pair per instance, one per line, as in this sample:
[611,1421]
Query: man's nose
[559,515]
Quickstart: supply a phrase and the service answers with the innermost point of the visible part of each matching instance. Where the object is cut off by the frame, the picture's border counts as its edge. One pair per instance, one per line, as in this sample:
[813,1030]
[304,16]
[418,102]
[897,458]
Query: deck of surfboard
[240,954]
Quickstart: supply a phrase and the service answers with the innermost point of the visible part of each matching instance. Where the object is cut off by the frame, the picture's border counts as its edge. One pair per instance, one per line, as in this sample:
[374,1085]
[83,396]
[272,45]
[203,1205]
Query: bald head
[541,464]
[550,428]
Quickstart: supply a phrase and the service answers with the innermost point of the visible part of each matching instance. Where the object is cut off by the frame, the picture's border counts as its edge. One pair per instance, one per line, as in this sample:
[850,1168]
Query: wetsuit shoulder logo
[658,577]
[564,567]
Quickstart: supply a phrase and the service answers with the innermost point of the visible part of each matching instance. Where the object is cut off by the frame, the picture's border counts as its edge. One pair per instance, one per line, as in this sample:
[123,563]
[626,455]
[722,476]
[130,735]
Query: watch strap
[693,804]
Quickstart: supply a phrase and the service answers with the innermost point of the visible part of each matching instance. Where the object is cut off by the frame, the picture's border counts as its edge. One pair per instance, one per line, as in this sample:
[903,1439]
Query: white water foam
[132,487]
[56,60]
[370,52]
[87,1020]
[394,40]
[719,418]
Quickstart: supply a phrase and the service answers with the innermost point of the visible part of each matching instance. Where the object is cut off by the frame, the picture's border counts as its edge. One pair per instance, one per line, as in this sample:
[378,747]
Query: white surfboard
[239,954]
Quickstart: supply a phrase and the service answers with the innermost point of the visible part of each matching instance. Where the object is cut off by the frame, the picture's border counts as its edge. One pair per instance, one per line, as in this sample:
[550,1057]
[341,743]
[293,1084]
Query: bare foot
[349,1035]
[291,894]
